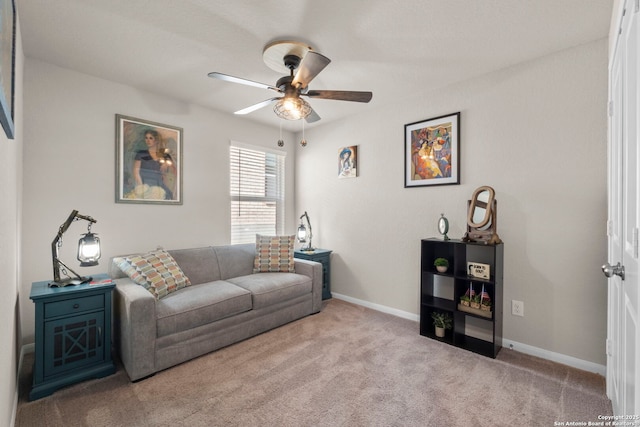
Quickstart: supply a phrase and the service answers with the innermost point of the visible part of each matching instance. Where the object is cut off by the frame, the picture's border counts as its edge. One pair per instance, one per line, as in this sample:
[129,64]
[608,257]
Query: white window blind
[257,193]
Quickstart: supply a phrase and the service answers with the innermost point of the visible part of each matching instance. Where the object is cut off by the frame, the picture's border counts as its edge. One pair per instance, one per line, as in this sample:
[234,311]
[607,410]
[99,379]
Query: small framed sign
[480,271]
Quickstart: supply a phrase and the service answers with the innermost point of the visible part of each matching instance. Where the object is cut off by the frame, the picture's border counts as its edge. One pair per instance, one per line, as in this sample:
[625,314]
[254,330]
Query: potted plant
[465,300]
[475,301]
[441,264]
[441,321]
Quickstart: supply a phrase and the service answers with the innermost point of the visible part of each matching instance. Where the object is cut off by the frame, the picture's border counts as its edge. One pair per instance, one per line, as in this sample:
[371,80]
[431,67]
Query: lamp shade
[89,250]
[302,233]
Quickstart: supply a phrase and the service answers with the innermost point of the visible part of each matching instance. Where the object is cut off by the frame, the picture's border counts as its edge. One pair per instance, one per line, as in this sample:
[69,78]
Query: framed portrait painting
[348,162]
[432,152]
[148,162]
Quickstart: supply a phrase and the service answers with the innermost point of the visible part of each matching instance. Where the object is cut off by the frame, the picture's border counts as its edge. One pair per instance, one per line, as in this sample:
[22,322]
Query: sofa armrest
[135,328]
[314,270]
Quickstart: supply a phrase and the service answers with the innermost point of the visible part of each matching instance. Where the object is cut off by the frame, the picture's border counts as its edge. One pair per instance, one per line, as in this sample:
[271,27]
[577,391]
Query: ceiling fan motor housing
[289,91]
[284,82]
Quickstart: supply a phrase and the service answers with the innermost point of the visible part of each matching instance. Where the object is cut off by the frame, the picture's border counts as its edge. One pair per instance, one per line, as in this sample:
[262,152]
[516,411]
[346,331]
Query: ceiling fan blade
[340,95]
[309,68]
[312,117]
[232,79]
[257,106]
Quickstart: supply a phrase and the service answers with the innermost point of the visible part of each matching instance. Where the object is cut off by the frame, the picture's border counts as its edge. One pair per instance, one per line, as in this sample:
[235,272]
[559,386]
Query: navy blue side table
[72,334]
[323,256]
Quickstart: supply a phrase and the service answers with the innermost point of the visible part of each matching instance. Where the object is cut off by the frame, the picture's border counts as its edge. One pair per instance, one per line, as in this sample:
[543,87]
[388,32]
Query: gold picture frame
[148,162]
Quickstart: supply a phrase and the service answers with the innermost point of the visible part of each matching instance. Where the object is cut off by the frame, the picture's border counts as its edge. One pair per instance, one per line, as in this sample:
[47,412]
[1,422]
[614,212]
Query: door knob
[617,269]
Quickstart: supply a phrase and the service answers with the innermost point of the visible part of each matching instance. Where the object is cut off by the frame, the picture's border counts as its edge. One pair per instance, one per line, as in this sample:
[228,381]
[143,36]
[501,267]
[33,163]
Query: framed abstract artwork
[348,162]
[7,60]
[432,152]
[148,162]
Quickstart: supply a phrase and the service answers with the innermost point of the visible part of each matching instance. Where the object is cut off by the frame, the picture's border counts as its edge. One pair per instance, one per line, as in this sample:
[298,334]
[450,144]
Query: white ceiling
[394,48]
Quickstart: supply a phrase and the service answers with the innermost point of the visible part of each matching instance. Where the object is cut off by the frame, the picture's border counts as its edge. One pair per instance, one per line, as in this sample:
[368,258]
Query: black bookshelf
[480,332]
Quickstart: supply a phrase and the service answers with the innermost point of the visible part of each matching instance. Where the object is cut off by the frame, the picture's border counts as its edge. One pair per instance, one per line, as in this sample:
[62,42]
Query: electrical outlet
[517,308]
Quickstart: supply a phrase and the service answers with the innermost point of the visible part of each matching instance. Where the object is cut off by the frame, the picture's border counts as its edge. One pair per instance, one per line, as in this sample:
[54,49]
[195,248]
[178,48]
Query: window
[257,192]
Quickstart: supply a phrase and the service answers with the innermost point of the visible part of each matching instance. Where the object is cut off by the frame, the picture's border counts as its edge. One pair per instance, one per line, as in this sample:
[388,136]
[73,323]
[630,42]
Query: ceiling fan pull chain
[280,141]
[303,142]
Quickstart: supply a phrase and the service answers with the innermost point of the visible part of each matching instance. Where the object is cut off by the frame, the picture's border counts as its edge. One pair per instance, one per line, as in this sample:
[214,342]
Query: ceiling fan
[303,65]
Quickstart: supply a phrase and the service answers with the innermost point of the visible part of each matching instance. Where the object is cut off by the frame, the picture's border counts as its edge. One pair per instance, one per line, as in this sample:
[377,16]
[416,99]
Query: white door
[622,268]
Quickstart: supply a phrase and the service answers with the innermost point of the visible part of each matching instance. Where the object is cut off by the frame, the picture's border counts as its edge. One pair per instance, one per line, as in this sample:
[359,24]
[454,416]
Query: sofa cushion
[274,254]
[271,288]
[199,305]
[235,260]
[157,271]
[199,264]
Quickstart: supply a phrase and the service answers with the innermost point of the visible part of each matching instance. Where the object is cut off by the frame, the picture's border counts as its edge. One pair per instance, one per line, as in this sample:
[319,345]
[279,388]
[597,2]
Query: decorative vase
[441,268]
[464,302]
[485,307]
[475,304]
[439,332]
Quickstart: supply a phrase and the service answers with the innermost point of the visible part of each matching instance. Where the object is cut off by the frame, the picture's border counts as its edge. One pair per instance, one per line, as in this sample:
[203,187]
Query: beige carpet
[347,366]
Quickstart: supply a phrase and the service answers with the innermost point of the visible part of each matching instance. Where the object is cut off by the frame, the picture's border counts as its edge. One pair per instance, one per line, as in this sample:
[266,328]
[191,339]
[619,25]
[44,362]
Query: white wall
[10,194]
[536,133]
[69,163]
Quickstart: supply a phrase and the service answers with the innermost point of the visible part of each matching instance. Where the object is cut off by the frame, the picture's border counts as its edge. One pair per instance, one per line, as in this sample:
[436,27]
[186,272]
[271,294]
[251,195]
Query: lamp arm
[67,268]
[54,244]
[310,230]
[85,217]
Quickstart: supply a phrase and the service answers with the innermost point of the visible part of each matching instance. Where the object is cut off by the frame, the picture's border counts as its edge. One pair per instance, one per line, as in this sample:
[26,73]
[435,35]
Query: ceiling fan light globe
[292,108]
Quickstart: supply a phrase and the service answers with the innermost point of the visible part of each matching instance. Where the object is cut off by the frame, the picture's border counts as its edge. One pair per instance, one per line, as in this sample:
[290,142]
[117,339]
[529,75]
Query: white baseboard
[506,343]
[14,410]
[27,348]
[377,307]
[574,362]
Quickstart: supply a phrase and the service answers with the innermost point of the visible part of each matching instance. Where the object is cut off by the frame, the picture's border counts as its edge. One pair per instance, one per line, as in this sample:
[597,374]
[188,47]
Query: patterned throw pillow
[274,254]
[157,271]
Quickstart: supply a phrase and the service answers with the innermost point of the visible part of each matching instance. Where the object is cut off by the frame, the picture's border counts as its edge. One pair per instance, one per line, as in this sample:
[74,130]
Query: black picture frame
[432,152]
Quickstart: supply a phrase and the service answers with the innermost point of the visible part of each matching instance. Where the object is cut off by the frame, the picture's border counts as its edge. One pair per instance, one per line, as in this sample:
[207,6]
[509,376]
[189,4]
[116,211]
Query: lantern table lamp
[303,234]
[88,252]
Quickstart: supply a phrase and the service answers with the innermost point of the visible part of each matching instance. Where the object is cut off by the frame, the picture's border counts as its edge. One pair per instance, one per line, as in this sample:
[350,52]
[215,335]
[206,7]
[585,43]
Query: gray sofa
[225,303]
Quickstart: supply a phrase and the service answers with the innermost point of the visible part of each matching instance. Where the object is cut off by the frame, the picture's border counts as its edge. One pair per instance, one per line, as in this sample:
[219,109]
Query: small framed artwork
[7,60]
[480,271]
[148,162]
[348,162]
[432,152]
